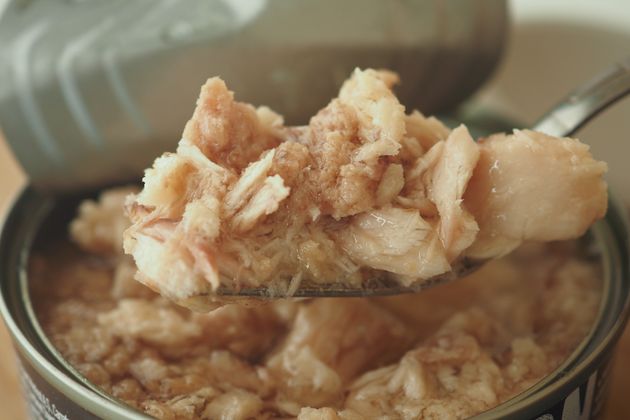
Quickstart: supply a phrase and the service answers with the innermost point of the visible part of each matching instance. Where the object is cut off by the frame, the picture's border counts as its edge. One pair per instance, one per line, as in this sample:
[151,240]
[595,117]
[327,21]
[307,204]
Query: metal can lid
[93,91]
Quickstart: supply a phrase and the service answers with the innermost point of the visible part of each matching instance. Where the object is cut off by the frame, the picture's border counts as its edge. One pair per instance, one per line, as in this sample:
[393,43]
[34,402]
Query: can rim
[559,384]
[72,389]
[574,357]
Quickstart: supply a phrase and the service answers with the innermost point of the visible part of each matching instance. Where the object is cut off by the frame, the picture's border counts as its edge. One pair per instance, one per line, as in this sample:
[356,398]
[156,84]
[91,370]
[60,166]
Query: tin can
[54,389]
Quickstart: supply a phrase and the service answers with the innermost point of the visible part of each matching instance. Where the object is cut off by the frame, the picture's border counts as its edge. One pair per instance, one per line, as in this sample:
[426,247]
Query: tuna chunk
[396,240]
[330,343]
[100,225]
[448,376]
[448,181]
[530,186]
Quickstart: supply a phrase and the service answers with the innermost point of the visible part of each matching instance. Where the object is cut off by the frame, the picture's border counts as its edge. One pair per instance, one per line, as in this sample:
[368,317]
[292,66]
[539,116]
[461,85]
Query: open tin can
[81,151]
[54,389]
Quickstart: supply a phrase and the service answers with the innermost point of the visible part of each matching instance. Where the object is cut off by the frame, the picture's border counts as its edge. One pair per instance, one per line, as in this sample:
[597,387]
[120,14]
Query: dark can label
[584,402]
[44,401]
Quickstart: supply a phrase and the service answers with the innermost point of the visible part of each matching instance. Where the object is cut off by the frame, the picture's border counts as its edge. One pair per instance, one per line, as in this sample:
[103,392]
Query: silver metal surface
[92,91]
[587,102]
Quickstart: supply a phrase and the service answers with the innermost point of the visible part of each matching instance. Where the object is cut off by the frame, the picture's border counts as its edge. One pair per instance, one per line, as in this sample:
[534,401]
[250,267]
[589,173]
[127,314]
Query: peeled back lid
[91,92]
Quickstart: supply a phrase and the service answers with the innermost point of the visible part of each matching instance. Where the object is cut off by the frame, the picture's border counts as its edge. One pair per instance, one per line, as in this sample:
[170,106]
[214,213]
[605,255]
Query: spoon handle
[587,101]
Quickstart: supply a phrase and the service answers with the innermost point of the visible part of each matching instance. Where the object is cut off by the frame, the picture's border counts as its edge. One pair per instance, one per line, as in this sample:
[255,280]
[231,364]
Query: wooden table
[11,404]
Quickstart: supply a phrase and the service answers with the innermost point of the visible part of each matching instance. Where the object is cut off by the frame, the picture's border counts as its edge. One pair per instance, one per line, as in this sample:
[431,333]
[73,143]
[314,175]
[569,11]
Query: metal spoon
[563,120]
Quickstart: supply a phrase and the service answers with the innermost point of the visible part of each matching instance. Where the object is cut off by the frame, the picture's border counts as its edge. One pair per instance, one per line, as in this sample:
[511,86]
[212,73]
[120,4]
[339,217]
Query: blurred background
[520,71]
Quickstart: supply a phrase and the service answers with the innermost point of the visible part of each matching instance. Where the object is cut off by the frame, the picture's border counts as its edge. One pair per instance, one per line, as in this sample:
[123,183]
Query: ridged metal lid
[92,91]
